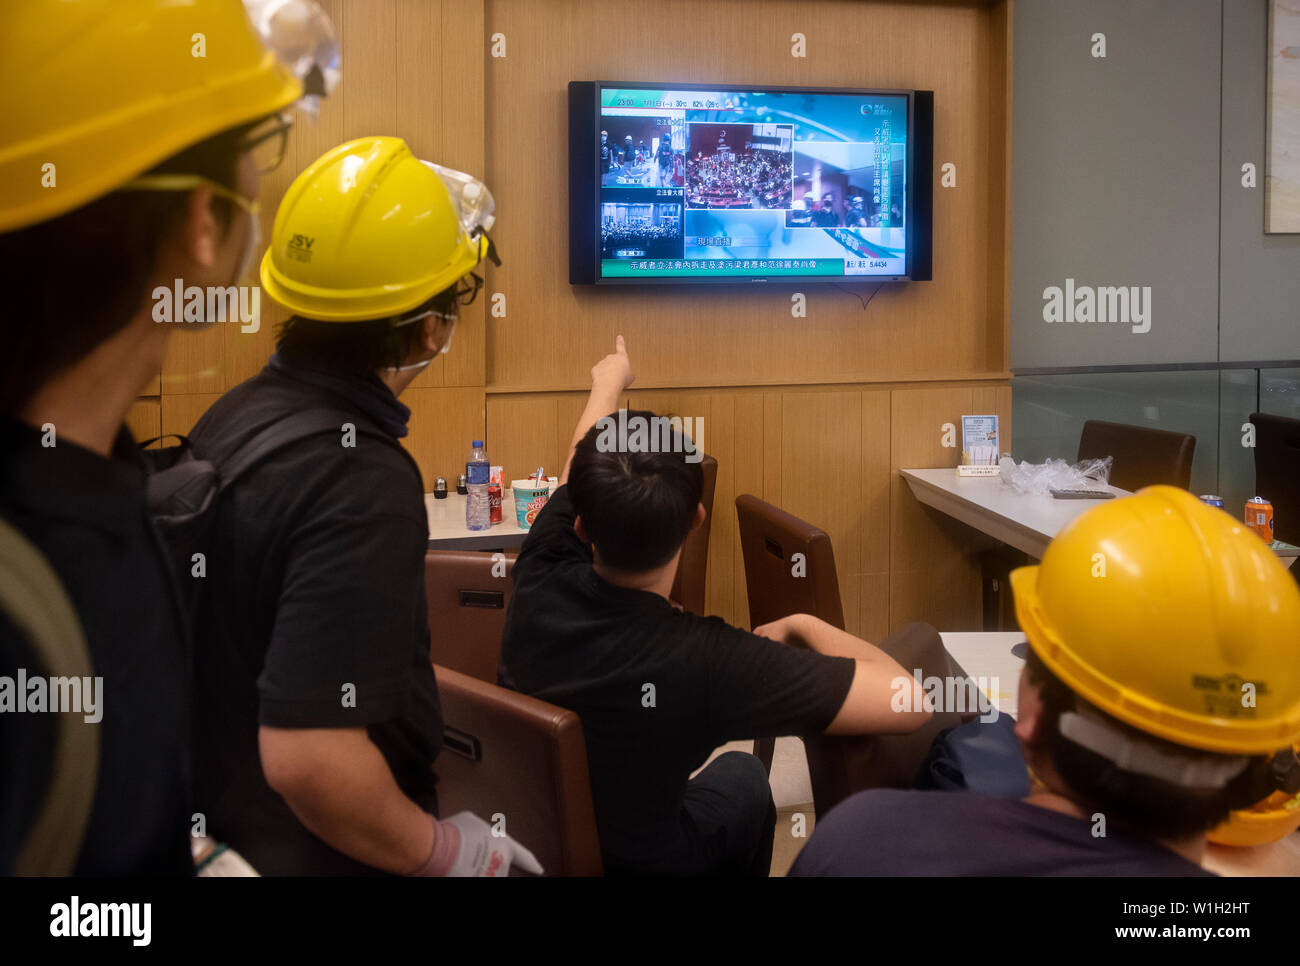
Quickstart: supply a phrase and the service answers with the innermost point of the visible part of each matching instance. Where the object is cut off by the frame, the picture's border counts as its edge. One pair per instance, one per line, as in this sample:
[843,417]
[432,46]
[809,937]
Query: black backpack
[183,490]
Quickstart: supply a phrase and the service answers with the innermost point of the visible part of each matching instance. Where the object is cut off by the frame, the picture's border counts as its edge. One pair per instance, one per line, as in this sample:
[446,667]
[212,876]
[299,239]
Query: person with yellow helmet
[132,133]
[1161,682]
[322,719]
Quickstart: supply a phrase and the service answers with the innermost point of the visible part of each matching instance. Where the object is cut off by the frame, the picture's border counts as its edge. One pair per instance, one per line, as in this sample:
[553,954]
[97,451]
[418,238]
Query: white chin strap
[1141,758]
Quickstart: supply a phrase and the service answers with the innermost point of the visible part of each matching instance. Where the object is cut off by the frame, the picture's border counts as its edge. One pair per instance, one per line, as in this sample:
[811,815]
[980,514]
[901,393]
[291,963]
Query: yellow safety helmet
[1269,820]
[1160,610]
[370,231]
[95,92]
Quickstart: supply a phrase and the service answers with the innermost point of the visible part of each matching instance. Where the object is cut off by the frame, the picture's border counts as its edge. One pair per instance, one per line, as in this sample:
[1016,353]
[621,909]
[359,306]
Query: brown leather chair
[769,539]
[510,754]
[1277,472]
[1141,456]
[838,765]
[689,585]
[467,609]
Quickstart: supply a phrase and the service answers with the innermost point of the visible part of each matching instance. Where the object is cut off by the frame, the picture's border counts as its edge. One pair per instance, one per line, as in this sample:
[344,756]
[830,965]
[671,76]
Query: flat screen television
[717,183]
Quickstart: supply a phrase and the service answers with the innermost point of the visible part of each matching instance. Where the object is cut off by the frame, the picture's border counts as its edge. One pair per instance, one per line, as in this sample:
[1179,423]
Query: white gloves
[482,853]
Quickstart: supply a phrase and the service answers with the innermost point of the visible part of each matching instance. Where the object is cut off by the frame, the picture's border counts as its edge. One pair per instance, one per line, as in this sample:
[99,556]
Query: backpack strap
[291,429]
[36,603]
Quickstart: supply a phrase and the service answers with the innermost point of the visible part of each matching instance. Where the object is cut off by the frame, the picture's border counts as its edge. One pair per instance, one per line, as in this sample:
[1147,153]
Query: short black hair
[359,347]
[637,507]
[74,281]
[1149,806]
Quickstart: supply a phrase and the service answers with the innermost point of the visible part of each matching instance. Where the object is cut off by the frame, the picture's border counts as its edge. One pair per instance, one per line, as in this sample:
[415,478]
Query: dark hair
[74,281]
[358,347]
[1149,806]
[637,507]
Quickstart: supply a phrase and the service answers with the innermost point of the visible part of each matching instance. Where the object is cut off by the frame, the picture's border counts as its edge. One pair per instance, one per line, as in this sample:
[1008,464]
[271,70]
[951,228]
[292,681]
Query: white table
[1025,521]
[995,657]
[447,530]
[990,656]
[1022,520]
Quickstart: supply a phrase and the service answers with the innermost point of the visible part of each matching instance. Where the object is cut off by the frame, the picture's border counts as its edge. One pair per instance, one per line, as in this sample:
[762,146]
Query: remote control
[1083,495]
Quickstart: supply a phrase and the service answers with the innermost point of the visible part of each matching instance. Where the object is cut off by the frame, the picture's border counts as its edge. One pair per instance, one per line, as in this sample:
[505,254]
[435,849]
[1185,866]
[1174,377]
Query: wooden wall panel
[180,411]
[144,420]
[934,568]
[444,422]
[814,414]
[525,432]
[711,336]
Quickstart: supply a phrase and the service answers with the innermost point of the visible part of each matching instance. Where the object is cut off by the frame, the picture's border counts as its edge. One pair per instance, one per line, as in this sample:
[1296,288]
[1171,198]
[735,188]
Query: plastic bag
[1042,478]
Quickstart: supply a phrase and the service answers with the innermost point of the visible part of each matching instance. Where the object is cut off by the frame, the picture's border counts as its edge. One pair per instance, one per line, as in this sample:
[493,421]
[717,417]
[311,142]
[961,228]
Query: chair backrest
[1277,471]
[1141,456]
[510,754]
[468,592]
[777,585]
[840,765]
[689,585]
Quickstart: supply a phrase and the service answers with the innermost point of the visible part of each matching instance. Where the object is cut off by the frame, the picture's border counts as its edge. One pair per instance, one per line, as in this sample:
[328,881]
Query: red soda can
[1259,517]
[494,503]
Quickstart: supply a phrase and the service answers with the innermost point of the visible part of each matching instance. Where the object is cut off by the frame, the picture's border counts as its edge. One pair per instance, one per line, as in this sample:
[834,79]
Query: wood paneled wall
[815,414]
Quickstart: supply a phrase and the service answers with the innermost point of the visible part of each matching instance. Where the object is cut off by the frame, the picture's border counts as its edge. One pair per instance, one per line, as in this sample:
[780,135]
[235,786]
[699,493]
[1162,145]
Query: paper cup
[530,497]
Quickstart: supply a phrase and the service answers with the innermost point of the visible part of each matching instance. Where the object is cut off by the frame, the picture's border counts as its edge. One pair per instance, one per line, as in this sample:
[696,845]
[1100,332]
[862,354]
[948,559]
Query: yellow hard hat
[370,231]
[95,92]
[1160,610]
[1269,820]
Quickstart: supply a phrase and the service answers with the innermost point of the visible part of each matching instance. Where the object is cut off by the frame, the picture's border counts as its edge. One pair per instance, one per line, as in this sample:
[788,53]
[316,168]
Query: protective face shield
[473,201]
[302,38]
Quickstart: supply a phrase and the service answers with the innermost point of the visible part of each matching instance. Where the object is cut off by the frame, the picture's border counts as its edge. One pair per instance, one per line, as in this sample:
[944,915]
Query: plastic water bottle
[478,509]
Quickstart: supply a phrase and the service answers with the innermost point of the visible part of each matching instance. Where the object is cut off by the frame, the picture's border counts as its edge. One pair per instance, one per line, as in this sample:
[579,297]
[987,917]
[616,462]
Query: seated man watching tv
[1161,680]
[591,628]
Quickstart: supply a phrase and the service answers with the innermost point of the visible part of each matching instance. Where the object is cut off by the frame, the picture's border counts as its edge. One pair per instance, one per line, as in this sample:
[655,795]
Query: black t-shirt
[88,516]
[657,689]
[890,832]
[315,591]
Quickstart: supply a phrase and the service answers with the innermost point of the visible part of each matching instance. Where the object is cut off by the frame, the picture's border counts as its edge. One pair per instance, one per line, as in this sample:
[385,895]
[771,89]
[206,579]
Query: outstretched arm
[884,698]
[609,377]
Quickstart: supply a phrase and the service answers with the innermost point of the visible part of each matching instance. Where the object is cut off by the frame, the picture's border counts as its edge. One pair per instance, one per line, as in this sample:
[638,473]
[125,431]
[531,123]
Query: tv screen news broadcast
[685,183]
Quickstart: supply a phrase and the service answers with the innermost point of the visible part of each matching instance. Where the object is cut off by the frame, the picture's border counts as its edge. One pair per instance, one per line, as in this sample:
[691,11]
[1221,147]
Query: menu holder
[979,446]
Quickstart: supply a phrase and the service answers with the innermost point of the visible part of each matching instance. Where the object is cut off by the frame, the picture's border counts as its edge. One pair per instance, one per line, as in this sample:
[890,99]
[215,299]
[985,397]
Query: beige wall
[815,414]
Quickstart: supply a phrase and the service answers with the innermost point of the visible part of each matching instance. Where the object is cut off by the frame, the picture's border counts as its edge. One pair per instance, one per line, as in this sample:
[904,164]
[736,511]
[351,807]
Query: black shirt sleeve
[760,688]
[551,540]
[347,614]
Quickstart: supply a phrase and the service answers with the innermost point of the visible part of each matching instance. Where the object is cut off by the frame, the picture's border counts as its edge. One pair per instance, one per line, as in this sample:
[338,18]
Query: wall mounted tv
[717,183]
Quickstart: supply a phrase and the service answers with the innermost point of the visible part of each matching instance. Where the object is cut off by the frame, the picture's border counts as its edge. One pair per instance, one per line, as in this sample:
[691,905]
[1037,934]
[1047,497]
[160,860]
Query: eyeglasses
[267,142]
[467,289]
[463,293]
